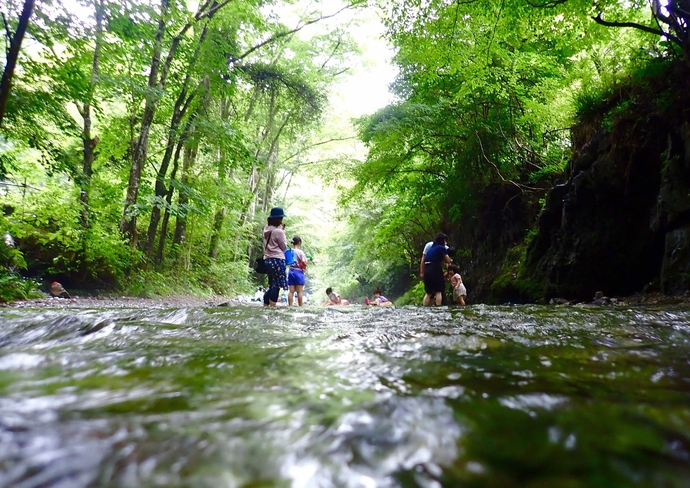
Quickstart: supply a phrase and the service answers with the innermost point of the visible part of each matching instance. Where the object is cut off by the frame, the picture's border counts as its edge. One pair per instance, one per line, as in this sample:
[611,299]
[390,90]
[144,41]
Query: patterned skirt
[277,275]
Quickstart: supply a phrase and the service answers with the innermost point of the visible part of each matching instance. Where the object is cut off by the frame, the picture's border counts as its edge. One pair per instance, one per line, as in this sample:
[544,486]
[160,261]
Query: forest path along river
[348,396]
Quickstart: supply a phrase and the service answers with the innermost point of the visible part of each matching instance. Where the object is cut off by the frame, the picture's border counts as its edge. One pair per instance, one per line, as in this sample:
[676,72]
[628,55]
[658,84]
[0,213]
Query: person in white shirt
[334,298]
[259,295]
[459,290]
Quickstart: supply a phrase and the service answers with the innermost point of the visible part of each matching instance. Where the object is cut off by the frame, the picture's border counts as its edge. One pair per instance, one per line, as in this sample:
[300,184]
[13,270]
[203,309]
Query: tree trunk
[160,188]
[128,225]
[88,141]
[168,202]
[181,106]
[256,174]
[268,192]
[13,55]
[271,159]
[219,218]
[188,160]
[156,84]
[218,221]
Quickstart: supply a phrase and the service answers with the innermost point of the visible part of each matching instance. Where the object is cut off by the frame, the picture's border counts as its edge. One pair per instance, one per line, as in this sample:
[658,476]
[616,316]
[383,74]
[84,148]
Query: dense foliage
[487,95]
[145,140]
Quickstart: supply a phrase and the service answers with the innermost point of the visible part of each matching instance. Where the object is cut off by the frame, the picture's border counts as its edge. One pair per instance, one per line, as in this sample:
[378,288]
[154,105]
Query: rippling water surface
[345,397]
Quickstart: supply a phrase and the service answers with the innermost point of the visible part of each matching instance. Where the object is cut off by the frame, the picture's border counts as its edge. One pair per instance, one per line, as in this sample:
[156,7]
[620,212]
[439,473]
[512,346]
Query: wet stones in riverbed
[58,291]
[600,299]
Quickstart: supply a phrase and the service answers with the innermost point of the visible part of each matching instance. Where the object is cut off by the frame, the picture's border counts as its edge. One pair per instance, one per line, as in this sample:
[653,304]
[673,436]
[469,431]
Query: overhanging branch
[289,32]
[641,27]
[547,4]
[311,146]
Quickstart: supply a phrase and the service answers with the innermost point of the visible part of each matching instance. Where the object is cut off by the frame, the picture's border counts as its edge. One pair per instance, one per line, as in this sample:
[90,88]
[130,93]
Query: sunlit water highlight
[345,397]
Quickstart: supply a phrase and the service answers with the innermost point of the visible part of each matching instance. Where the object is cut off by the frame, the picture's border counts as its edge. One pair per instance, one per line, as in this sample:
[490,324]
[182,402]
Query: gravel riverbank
[182,301]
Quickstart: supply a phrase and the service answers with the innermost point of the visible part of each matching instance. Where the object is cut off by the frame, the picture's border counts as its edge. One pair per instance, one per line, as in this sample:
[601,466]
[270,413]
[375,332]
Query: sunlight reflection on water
[344,397]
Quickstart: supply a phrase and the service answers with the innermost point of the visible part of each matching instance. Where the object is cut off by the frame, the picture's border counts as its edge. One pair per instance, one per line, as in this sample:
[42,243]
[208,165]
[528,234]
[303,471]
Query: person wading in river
[434,279]
[275,245]
[296,274]
[427,246]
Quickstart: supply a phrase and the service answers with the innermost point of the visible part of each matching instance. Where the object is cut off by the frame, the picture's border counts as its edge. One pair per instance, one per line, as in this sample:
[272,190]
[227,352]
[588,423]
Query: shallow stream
[524,396]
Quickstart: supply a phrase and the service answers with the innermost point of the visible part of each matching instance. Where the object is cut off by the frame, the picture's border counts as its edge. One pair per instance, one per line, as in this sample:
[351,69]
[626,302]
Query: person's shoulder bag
[260,263]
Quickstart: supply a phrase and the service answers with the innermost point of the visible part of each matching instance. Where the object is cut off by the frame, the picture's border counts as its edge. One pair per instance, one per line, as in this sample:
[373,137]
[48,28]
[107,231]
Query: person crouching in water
[275,245]
[296,275]
[434,278]
[459,290]
[334,298]
[379,300]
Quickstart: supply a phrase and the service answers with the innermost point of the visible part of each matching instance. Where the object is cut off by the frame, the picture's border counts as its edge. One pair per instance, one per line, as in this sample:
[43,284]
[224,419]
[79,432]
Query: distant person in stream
[379,300]
[427,246]
[259,295]
[334,298]
[434,278]
[296,279]
[459,290]
[275,245]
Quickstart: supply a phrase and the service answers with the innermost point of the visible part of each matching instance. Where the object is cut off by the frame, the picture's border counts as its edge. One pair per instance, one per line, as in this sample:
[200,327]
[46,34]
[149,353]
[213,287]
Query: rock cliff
[620,223]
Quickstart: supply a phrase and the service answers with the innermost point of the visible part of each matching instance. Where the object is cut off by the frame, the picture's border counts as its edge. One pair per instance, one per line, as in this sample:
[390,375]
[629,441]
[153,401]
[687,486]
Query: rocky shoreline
[189,301]
[174,301]
[633,300]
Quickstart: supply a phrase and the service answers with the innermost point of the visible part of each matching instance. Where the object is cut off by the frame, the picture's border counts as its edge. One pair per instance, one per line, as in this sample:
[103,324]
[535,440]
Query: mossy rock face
[605,228]
[508,289]
[603,240]
[675,273]
[514,284]
[500,219]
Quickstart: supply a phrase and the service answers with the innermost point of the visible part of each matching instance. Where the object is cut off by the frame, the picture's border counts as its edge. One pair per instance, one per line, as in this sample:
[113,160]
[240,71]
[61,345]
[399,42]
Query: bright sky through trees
[364,88]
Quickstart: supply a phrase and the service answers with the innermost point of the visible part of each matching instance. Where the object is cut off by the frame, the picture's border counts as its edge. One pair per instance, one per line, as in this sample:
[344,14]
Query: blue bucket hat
[277,213]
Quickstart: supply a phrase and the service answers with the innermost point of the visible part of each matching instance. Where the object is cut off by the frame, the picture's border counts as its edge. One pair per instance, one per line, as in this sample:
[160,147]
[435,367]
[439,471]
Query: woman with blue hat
[275,245]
